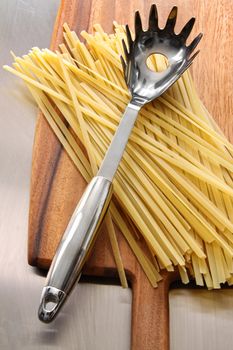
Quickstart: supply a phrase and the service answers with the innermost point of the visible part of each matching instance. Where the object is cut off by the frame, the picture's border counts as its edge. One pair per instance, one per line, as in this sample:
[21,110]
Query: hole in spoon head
[157,62]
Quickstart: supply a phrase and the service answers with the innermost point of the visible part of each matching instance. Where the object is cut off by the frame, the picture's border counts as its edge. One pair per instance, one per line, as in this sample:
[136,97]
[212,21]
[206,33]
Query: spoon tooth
[123,65]
[125,50]
[137,24]
[171,21]
[194,43]
[128,35]
[153,18]
[187,29]
[190,61]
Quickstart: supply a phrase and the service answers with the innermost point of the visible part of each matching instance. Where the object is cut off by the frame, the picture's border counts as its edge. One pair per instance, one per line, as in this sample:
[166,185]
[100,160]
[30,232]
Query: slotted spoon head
[143,83]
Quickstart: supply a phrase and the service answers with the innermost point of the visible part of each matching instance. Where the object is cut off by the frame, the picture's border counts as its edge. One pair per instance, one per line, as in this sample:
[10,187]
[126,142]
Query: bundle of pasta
[175,182]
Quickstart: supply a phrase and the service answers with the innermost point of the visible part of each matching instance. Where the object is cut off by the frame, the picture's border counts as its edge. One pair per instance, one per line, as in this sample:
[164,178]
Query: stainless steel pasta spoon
[144,85]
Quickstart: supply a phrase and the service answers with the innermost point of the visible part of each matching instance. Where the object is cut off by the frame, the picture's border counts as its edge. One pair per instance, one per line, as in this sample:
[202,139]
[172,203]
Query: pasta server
[144,85]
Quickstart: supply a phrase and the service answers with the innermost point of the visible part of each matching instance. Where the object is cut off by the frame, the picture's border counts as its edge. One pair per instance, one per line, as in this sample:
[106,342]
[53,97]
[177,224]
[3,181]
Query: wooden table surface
[199,319]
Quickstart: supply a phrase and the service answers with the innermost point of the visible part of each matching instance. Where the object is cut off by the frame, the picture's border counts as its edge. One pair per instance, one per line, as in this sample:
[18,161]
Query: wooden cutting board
[56,185]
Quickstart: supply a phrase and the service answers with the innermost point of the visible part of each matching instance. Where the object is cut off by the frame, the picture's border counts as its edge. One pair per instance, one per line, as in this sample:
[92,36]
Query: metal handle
[75,246]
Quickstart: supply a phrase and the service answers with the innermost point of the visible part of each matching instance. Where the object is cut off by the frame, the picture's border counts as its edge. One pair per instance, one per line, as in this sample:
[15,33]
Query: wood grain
[56,185]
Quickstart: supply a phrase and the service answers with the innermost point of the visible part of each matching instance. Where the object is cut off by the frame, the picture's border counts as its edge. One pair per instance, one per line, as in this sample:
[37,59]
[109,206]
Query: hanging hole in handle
[50,302]
[157,62]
